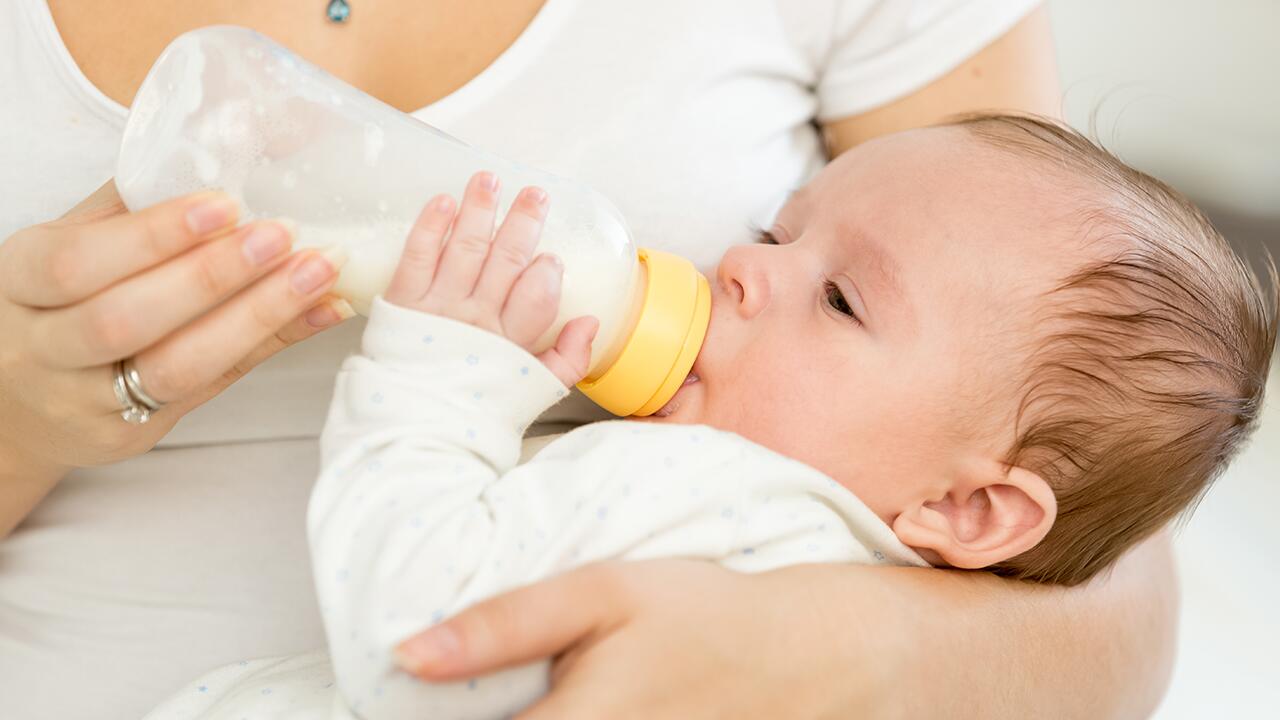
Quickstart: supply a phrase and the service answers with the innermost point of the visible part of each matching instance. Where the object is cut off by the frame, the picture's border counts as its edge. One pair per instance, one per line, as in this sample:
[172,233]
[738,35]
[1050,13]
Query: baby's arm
[422,422]
[420,510]
[400,520]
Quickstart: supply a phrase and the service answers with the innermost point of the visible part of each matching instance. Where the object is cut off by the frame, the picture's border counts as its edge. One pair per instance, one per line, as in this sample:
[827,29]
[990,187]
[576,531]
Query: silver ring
[134,382]
[130,410]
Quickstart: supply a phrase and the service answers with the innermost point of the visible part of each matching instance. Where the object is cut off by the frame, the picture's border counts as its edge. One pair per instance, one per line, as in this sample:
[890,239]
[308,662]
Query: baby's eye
[765,237]
[836,300]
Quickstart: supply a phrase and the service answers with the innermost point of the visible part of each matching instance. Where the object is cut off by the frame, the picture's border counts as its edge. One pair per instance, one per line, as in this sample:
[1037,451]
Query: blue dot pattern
[421,510]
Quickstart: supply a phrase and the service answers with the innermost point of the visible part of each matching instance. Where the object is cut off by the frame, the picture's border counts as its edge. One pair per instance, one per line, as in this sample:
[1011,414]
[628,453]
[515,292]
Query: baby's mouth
[674,403]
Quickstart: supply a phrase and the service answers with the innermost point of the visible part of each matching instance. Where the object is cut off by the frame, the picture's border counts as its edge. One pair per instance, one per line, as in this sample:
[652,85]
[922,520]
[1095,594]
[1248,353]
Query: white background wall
[1189,90]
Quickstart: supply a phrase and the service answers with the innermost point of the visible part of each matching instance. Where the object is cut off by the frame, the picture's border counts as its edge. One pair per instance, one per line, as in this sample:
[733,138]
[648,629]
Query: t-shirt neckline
[488,81]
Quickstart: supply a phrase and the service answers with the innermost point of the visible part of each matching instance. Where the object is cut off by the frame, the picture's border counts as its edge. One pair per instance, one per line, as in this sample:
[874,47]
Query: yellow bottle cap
[668,335]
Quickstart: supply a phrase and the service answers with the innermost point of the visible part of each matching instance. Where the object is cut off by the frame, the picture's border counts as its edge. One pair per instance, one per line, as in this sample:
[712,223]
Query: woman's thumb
[517,627]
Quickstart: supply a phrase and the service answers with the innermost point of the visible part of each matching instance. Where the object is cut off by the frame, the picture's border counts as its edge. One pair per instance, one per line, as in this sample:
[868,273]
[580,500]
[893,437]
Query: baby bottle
[226,108]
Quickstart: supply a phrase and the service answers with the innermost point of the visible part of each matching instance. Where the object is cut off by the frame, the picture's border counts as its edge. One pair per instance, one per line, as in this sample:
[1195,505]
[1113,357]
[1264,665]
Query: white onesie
[422,510]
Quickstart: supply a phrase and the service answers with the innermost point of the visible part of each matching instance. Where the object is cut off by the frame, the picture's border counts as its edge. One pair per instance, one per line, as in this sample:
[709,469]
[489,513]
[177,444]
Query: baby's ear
[985,518]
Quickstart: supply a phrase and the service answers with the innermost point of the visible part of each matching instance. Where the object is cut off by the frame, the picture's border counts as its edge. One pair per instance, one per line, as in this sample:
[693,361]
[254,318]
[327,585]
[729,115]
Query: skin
[892,300]
[457,266]
[1112,639]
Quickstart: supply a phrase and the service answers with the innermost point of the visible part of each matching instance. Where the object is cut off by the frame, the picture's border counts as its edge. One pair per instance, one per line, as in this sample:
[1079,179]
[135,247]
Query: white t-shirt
[695,118]
[421,510]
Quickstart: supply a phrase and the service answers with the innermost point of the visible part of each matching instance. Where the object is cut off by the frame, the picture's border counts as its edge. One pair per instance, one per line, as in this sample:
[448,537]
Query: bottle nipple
[659,354]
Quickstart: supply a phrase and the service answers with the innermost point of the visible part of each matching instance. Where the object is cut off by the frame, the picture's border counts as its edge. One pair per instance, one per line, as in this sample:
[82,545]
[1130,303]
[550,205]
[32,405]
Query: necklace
[338,11]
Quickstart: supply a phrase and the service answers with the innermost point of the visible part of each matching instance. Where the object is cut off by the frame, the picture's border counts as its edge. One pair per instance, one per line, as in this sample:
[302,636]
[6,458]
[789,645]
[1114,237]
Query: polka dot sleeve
[426,418]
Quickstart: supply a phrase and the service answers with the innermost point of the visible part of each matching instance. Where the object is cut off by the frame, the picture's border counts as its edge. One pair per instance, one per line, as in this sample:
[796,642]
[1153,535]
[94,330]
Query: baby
[987,344]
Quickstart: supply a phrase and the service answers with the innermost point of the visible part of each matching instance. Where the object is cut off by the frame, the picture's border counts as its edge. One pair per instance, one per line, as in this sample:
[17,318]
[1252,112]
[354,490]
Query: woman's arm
[914,643]
[1001,649]
[1016,72]
[823,641]
[24,481]
[1113,640]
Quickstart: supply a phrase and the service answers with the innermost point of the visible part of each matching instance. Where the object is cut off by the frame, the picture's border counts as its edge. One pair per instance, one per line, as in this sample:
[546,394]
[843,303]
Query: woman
[146,553]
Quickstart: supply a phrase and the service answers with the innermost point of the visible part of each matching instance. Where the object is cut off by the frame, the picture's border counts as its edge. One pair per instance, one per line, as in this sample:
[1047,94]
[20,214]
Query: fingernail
[433,647]
[488,182]
[344,309]
[538,196]
[211,213]
[266,241]
[318,269]
[444,204]
[330,313]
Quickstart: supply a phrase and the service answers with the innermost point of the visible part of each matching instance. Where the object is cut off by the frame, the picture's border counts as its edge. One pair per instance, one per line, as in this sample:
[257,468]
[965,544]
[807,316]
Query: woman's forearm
[984,647]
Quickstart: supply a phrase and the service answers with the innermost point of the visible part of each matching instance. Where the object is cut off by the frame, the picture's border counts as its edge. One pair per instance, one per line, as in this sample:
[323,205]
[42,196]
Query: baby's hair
[1148,367]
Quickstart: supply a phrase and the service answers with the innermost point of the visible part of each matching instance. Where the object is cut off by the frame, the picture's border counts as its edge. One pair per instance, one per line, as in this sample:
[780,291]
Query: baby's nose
[743,279]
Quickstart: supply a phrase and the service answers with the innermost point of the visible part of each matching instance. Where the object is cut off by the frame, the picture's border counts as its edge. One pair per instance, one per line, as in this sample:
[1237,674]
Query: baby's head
[1019,352]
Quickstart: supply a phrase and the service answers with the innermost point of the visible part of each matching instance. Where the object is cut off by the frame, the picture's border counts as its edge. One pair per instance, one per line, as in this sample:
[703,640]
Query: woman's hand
[681,639]
[491,280]
[194,300]
[688,639]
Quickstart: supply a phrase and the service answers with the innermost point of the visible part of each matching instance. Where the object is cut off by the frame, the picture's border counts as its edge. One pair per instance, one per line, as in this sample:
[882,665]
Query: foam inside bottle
[226,108]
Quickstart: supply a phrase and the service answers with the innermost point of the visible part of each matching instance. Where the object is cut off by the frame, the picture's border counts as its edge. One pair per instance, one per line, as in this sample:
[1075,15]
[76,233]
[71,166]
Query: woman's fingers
[468,245]
[517,627]
[133,314]
[330,311]
[417,266]
[202,351]
[512,247]
[68,260]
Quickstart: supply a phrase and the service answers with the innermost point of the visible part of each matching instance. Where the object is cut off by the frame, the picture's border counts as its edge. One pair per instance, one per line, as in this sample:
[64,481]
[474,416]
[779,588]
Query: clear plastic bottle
[225,107]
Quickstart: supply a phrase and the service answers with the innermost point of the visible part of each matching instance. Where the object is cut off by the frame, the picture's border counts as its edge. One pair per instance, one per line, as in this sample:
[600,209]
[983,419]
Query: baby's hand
[487,280]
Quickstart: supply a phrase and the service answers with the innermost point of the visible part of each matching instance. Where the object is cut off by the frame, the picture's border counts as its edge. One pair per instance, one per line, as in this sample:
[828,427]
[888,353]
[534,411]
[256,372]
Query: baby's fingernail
[488,182]
[538,196]
[444,204]
[432,648]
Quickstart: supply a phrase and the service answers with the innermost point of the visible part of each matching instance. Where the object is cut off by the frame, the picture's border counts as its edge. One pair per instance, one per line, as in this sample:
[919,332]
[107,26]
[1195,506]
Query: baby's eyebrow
[866,252]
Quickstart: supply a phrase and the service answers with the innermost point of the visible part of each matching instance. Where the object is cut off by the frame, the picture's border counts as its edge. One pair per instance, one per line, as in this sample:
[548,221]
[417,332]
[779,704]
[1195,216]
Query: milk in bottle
[225,107]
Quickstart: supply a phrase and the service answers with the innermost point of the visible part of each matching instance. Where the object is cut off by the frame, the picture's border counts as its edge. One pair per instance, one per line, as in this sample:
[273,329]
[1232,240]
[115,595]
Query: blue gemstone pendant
[339,10]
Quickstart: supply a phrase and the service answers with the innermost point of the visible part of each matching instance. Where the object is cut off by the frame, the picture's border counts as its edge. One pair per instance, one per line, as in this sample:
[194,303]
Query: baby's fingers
[569,359]
[417,267]
[533,302]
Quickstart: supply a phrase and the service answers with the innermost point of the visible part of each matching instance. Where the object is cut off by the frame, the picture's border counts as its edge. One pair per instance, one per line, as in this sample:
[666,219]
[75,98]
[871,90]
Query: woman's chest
[693,118]
[694,121]
[115,44]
